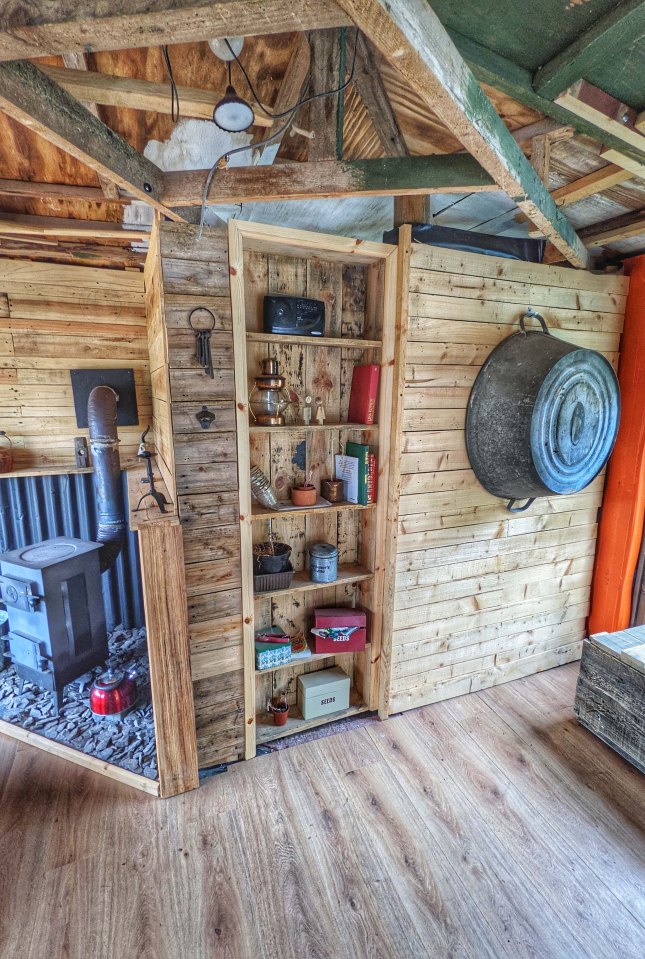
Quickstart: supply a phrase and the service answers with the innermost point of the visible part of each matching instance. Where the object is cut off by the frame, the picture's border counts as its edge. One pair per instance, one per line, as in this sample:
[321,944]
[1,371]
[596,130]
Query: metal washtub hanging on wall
[542,416]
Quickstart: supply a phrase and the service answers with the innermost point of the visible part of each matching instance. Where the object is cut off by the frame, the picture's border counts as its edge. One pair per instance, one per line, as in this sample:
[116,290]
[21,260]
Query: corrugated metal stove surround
[36,508]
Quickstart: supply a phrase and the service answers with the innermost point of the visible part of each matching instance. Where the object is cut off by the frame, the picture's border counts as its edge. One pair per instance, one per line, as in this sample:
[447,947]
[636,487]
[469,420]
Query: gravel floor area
[129,742]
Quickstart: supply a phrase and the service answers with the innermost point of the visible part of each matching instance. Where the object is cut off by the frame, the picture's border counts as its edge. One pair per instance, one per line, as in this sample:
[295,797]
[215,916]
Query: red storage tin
[340,619]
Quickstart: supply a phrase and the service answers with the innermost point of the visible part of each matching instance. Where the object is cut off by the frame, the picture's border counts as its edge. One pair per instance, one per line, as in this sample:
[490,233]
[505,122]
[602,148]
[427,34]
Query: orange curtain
[623,509]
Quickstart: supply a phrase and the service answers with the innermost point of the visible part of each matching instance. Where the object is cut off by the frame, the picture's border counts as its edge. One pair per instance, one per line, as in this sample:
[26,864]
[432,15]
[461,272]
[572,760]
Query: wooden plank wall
[482,597]
[196,274]
[55,318]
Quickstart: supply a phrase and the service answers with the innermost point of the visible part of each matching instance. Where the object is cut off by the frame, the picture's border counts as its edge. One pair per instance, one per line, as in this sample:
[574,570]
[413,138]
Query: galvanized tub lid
[575,421]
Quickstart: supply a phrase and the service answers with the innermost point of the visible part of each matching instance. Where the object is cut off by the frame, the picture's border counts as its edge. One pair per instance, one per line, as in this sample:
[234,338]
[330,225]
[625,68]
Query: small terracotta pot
[304,495]
[280,718]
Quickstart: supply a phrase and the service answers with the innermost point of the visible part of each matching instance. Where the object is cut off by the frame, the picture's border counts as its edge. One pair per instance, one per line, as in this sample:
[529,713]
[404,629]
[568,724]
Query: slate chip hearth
[129,743]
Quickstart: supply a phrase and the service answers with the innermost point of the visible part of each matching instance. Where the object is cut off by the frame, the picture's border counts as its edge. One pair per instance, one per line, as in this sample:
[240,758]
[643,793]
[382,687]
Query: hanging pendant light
[232,113]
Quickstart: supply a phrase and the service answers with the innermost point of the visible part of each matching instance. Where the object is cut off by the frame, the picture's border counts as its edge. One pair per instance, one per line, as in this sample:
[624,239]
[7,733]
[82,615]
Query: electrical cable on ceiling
[174,92]
[290,113]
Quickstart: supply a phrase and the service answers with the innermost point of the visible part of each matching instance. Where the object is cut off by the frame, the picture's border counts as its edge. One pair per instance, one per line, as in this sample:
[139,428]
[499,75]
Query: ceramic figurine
[306,412]
[320,411]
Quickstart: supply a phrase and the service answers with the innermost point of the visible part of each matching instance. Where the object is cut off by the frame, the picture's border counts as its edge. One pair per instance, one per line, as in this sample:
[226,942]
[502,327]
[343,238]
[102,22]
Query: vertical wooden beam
[412,209]
[394,480]
[289,93]
[325,57]
[371,89]
[238,318]
[161,551]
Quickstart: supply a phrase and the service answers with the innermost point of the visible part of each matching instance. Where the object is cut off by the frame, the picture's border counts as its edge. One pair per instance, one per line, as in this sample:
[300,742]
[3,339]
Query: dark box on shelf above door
[345,630]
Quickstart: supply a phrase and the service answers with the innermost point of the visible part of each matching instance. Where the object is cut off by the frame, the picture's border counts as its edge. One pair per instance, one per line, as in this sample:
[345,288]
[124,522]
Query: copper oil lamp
[269,397]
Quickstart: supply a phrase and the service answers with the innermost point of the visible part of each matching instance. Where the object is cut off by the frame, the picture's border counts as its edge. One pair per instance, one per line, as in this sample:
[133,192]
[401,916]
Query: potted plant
[270,556]
[305,494]
[278,705]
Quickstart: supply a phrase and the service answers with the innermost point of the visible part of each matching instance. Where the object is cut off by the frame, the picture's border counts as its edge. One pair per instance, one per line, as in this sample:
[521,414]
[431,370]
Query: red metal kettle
[113,694]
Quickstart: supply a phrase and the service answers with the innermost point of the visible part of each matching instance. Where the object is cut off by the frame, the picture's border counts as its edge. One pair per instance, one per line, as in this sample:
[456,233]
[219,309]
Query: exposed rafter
[371,89]
[457,173]
[516,82]
[290,92]
[28,96]
[606,38]
[585,186]
[606,112]
[109,91]
[44,27]
[624,227]
[411,36]
[77,63]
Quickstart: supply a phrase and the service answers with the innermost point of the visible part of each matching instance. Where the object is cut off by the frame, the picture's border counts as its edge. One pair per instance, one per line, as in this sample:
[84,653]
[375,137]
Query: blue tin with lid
[323,563]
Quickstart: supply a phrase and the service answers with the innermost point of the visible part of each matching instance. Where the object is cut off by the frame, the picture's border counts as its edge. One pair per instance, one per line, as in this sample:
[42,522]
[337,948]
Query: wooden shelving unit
[357,282]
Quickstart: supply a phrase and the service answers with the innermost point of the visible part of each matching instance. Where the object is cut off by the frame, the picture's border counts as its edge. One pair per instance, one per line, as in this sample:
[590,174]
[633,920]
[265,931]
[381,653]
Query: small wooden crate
[611,691]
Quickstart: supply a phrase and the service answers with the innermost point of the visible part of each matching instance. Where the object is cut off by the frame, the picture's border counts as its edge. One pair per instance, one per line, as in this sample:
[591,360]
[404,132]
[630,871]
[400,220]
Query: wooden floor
[488,826]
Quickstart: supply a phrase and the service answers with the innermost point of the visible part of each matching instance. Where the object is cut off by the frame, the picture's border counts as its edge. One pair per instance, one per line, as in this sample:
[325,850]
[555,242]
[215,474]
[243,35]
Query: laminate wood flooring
[491,826]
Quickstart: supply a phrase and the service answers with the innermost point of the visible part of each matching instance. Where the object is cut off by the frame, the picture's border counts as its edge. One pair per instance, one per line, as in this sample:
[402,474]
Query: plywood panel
[54,318]
[480,596]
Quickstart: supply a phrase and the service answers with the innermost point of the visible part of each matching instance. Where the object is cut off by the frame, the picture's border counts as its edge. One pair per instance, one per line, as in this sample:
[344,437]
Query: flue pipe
[104,445]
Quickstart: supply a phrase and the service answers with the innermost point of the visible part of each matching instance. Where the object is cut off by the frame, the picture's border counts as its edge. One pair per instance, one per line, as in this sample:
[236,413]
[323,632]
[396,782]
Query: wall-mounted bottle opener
[205,417]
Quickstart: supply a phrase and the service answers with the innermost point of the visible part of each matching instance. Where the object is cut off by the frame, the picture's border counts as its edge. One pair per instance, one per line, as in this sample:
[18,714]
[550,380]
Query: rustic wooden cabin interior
[322,567]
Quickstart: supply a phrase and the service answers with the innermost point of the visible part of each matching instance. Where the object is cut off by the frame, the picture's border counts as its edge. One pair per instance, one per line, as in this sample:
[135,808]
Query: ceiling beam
[290,92]
[369,85]
[44,27]
[516,82]
[619,158]
[31,190]
[623,227]
[28,96]
[606,112]
[109,91]
[585,186]
[78,62]
[16,224]
[607,37]
[456,173]
[410,35]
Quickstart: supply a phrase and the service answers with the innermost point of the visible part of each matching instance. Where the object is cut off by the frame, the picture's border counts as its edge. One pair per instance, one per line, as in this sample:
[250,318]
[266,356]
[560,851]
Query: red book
[363,394]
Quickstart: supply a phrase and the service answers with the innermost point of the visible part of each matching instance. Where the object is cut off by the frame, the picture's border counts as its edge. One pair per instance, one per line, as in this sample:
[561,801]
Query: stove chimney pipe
[104,444]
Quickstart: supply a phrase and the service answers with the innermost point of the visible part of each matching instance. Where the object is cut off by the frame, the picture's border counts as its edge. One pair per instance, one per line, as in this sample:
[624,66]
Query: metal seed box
[323,692]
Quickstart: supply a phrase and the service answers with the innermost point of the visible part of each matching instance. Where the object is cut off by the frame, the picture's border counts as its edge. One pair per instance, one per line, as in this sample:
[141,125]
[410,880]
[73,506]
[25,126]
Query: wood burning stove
[52,590]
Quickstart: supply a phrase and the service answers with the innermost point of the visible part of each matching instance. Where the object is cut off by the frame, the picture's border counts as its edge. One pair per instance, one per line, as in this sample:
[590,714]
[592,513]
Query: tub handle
[534,315]
[519,509]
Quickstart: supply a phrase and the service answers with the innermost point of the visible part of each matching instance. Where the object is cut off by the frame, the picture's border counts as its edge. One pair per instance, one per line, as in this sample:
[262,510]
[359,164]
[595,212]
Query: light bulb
[232,113]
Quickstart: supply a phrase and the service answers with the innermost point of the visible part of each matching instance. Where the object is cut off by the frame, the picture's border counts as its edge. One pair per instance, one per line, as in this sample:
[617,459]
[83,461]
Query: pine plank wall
[481,596]
[55,318]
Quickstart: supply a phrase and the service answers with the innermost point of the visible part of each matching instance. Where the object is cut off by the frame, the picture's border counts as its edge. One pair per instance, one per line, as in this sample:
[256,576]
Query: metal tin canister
[323,563]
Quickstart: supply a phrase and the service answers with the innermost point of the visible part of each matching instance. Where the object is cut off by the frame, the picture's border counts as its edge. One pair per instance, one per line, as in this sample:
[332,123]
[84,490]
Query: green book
[362,453]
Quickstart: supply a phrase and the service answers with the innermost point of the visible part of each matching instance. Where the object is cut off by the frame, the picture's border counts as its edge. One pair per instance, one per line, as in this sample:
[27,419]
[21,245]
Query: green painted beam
[608,38]
[516,82]
[394,176]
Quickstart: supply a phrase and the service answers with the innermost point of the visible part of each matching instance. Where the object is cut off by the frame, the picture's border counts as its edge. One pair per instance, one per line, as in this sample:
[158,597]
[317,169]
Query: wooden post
[412,209]
[164,597]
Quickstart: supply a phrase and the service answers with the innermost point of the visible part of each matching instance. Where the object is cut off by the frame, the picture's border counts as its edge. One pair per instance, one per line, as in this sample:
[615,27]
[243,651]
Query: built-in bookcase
[357,281]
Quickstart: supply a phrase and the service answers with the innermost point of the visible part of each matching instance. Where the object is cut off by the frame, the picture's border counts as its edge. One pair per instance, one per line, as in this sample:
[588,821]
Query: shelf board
[313,428]
[266,730]
[313,658]
[345,342]
[260,512]
[301,581]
